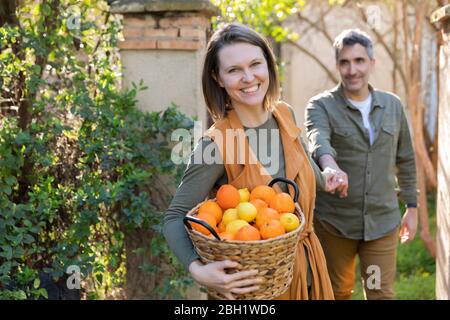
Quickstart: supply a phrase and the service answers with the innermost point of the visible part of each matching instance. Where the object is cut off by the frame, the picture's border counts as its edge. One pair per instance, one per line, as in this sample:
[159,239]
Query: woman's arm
[196,184]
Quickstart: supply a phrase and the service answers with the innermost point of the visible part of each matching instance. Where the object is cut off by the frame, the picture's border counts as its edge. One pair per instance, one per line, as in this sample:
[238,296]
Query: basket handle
[203,223]
[288,181]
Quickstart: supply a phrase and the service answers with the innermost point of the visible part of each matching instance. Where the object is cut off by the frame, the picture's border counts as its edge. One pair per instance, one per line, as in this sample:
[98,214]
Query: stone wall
[164,45]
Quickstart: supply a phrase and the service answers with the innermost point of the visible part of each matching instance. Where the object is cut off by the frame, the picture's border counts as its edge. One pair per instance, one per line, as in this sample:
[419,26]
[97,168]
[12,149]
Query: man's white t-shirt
[364,107]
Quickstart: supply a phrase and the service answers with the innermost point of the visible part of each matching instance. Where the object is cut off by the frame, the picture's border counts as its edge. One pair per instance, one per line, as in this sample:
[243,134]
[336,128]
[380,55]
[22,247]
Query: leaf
[27,223]
[27,239]
[21,295]
[11,180]
[6,189]
[22,138]
[7,252]
[36,283]
[43,293]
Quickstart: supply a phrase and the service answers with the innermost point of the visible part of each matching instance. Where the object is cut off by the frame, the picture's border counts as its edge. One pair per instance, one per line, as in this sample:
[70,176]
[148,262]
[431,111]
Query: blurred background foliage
[77,158]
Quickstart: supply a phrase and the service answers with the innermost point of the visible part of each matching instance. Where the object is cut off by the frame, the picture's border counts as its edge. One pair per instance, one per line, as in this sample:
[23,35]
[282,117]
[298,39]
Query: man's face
[355,66]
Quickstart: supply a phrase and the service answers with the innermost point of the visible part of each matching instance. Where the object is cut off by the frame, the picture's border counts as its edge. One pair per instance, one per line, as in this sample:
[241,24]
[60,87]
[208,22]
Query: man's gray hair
[350,37]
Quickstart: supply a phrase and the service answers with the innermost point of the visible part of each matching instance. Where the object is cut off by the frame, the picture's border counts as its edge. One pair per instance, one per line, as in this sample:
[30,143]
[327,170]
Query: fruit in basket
[228,196]
[246,211]
[263,192]
[230,215]
[259,204]
[289,221]
[226,236]
[209,219]
[221,227]
[282,202]
[247,233]
[234,226]
[244,195]
[265,215]
[271,229]
[213,208]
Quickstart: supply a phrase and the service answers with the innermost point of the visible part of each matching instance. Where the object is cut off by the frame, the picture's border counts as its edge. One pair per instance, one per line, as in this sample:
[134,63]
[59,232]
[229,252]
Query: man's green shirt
[335,127]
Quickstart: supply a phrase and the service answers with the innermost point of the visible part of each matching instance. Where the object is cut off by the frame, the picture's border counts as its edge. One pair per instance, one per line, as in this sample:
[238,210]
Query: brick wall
[184,31]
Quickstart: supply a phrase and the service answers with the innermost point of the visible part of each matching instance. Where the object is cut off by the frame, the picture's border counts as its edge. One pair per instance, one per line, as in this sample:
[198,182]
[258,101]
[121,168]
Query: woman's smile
[244,74]
[252,89]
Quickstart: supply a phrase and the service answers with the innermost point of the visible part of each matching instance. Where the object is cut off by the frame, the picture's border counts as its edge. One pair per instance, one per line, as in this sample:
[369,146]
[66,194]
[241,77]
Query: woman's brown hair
[216,98]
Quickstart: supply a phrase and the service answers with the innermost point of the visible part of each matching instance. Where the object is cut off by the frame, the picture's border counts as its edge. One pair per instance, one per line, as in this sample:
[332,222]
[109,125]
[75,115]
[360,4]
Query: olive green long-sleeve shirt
[196,184]
[335,127]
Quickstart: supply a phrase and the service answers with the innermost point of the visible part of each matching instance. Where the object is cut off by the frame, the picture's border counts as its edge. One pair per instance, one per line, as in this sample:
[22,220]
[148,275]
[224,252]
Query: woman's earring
[228,103]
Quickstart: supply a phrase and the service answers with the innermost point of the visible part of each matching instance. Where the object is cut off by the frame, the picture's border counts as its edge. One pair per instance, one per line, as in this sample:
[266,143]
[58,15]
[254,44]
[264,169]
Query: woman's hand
[213,275]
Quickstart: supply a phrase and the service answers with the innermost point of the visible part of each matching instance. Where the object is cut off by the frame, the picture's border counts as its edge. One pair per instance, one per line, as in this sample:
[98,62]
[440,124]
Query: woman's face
[243,73]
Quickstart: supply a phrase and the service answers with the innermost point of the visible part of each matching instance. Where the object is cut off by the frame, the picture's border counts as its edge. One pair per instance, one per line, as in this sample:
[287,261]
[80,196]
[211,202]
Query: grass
[416,269]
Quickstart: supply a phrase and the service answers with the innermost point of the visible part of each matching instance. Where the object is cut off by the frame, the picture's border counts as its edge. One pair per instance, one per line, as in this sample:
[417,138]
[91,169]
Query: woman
[241,90]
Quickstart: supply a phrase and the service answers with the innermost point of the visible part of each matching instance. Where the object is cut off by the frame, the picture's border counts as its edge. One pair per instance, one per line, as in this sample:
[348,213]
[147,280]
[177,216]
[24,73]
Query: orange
[259,204]
[221,226]
[209,219]
[265,215]
[228,196]
[247,233]
[282,202]
[271,229]
[263,192]
[213,208]
[226,236]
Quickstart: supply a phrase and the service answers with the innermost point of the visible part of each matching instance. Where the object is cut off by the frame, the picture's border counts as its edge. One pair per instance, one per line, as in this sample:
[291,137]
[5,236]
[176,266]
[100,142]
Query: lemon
[246,211]
[234,226]
[244,195]
[229,215]
[289,221]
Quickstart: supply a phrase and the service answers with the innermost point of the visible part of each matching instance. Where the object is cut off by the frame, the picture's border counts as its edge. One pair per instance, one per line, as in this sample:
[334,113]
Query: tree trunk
[425,170]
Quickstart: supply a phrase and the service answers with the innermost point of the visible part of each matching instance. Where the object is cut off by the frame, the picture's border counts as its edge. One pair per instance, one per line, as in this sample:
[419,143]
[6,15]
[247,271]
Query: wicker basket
[273,258]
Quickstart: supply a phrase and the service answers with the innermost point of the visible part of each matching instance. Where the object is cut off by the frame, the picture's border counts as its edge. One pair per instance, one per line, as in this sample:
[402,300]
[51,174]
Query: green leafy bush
[77,158]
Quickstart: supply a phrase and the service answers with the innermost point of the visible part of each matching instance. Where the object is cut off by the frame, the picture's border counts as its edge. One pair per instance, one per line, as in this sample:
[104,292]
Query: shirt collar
[339,89]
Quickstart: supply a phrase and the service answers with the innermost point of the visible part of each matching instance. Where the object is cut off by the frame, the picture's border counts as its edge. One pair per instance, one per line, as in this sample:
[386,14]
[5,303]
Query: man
[363,134]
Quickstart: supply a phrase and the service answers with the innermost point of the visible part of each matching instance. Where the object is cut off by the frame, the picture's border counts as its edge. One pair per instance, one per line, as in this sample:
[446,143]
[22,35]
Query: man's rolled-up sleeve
[318,130]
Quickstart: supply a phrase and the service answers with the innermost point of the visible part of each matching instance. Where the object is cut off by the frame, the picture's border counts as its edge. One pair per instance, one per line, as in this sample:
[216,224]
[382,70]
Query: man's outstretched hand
[336,181]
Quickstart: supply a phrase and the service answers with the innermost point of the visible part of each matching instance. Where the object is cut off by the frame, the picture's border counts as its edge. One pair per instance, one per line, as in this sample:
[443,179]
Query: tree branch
[317,60]
[381,40]
[315,26]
